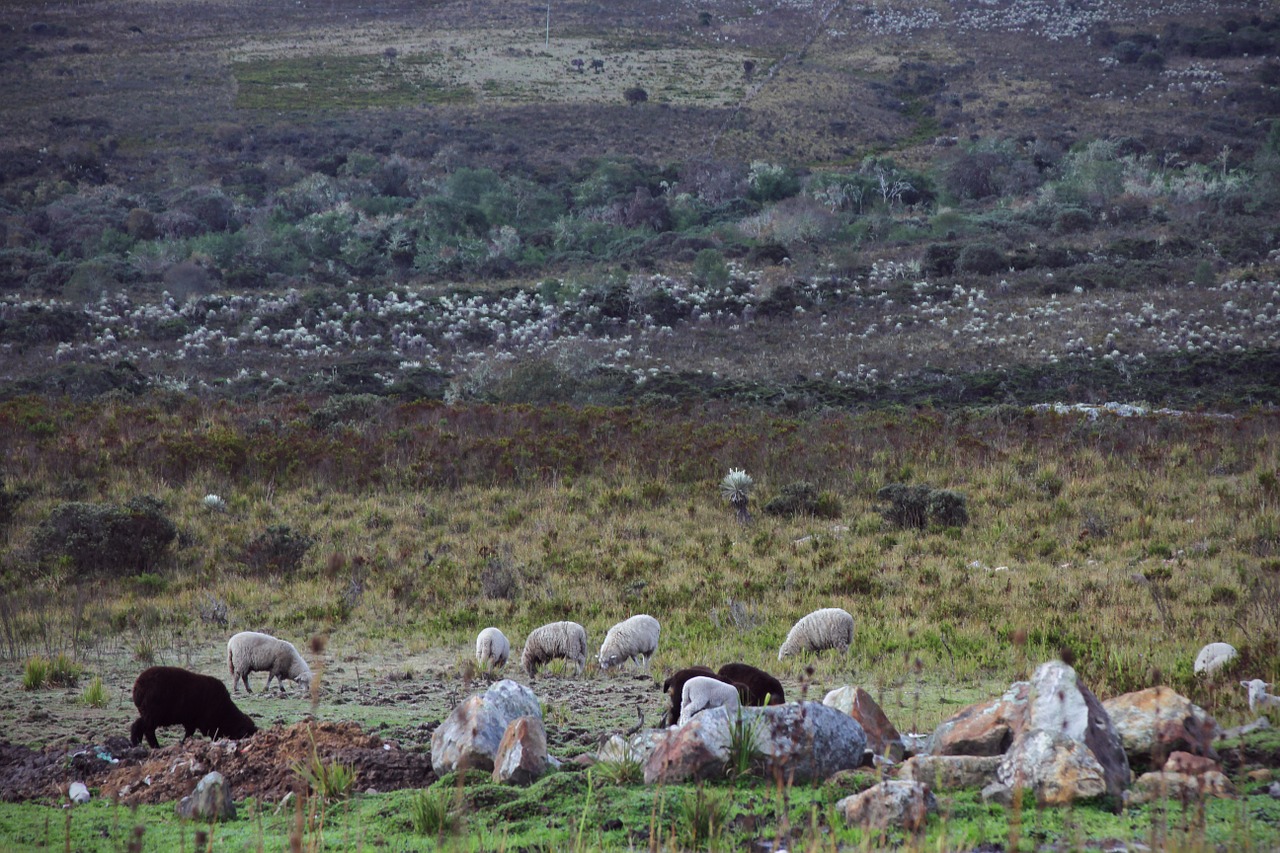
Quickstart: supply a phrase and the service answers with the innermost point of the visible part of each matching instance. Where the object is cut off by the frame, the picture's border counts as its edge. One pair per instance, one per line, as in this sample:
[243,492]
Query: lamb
[567,640]
[703,692]
[828,628]
[674,686]
[762,688]
[630,639]
[171,696]
[1214,657]
[1259,698]
[492,648]
[251,651]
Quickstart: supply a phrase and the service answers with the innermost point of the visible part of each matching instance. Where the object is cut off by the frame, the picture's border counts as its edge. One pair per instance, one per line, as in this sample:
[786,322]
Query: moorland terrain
[382,322]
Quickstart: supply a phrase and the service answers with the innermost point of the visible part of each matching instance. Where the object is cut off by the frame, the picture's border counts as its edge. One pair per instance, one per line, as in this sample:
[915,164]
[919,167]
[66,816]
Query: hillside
[830,204]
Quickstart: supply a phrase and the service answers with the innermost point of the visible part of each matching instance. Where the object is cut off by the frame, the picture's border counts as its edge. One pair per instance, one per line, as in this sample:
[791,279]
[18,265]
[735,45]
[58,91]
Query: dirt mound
[261,767]
[26,774]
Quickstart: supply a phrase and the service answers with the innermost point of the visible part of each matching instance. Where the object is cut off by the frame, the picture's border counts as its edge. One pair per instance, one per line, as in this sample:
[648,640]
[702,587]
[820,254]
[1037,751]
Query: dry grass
[1151,525]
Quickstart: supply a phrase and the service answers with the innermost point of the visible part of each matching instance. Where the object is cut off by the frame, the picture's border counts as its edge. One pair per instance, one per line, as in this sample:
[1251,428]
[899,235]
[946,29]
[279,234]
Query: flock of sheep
[167,696]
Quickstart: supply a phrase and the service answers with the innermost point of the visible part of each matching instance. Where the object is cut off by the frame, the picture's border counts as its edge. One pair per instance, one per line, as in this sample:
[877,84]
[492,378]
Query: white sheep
[1214,657]
[632,638]
[1259,698]
[567,640]
[492,648]
[828,628]
[703,692]
[251,651]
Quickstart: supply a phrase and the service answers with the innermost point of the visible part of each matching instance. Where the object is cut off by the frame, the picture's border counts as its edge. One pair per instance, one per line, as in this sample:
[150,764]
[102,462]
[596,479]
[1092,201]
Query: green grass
[336,82]
[559,812]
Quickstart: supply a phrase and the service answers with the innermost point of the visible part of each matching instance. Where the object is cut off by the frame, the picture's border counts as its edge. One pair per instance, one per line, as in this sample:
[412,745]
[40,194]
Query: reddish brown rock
[699,749]
[883,738]
[985,728]
[1156,722]
[522,755]
[1190,765]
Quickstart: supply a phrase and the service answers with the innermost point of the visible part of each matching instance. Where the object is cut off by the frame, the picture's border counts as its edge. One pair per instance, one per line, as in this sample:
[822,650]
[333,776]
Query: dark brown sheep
[674,686]
[171,696]
[761,686]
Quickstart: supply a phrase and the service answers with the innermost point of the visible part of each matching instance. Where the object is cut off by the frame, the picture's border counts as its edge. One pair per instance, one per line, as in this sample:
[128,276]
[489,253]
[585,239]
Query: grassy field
[371,325]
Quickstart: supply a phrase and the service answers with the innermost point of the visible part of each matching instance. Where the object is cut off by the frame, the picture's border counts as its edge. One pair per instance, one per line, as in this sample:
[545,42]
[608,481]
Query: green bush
[803,498]
[1072,220]
[105,538]
[980,258]
[277,549]
[940,258]
[709,269]
[948,508]
[917,506]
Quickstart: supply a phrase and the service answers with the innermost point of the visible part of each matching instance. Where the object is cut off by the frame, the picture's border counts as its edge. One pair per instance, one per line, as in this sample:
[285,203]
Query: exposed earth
[380,726]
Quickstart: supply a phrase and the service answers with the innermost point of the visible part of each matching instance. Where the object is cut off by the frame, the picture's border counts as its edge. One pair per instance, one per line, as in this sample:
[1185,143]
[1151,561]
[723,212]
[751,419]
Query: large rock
[889,805]
[210,801]
[521,758]
[949,772]
[1156,722]
[807,741]
[468,738]
[882,738]
[1062,705]
[513,699]
[984,728]
[699,749]
[802,741]
[1058,768]
[1179,787]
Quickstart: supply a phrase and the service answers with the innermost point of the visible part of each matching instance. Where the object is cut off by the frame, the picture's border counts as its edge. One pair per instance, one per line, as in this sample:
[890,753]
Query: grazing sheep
[762,688]
[704,691]
[632,638]
[251,651]
[171,696]
[674,687]
[566,640]
[492,648]
[828,628]
[1214,657]
[1259,698]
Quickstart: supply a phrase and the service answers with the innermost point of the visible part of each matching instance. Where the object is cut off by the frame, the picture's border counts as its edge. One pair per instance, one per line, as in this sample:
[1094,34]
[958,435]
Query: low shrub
[93,539]
[279,548]
[917,506]
[980,258]
[803,498]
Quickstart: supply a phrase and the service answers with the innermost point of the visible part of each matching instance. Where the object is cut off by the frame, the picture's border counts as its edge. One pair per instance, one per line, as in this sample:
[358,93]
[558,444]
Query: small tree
[635,95]
[736,488]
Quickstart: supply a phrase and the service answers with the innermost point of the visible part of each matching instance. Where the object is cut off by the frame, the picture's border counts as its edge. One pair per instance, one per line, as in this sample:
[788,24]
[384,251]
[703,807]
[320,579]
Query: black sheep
[760,684]
[171,696]
[675,687]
